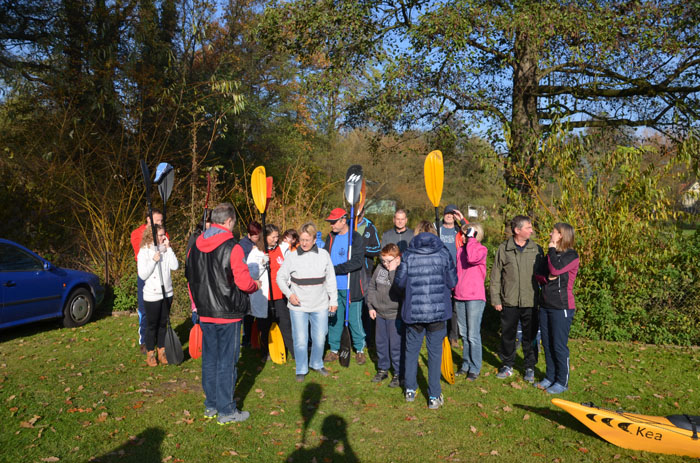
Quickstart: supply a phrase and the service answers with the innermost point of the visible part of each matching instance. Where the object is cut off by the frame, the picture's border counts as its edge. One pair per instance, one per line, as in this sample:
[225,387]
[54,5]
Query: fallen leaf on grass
[507,409]
[494,452]
[538,454]
[583,450]
[472,429]
[411,418]
[51,459]
[102,418]
[526,417]
[659,396]
[30,422]
[483,391]
[516,385]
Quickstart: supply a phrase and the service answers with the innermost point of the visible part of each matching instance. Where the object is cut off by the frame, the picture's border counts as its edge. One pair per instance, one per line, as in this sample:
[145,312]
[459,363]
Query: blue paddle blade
[164,179]
[162,171]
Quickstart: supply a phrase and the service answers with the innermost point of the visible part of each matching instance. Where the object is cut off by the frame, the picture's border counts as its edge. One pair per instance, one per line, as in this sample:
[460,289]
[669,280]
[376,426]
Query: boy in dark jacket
[384,301]
[427,274]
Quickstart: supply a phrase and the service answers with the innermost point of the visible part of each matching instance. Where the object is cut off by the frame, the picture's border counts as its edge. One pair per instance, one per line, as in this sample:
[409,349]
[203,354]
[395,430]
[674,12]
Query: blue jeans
[300,335]
[143,326]
[555,325]
[433,341]
[221,346]
[388,340]
[469,318]
[337,322]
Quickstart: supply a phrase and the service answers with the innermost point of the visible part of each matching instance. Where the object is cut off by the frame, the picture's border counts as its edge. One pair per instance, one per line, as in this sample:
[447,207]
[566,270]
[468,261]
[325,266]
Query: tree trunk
[525,125]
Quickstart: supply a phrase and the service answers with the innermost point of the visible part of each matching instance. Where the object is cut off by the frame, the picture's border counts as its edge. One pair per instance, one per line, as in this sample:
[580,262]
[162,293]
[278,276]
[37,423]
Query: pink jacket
[471,271]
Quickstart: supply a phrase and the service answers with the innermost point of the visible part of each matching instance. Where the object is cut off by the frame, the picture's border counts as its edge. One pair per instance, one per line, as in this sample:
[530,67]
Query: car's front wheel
[78,309]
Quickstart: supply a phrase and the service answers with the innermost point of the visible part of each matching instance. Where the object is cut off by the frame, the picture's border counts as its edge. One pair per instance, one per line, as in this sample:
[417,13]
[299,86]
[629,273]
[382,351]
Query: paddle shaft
[347,293]
[437,221]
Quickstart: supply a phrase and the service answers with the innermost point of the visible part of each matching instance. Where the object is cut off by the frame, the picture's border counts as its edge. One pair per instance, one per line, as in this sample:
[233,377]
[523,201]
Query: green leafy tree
[512,68]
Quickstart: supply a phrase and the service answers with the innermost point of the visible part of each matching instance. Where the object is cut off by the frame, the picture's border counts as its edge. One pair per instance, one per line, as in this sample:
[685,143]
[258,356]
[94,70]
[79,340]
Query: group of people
[428,283]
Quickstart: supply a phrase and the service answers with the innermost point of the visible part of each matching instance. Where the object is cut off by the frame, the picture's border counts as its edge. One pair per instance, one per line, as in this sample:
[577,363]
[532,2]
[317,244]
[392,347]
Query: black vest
[211,282]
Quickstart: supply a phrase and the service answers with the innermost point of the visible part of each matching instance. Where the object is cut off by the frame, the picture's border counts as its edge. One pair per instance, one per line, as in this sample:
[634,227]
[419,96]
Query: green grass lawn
[86,395]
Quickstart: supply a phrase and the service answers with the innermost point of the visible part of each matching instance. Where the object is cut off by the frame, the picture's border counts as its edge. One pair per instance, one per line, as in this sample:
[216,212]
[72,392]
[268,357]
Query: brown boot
[360,358]
[151,358]
[161,356]
[330,356]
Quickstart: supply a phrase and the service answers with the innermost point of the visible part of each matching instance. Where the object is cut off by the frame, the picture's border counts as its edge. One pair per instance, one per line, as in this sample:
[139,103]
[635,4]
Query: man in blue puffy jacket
[427,274]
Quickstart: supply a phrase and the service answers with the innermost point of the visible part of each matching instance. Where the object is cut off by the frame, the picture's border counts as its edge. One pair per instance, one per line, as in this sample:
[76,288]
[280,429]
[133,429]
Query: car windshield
[14,259]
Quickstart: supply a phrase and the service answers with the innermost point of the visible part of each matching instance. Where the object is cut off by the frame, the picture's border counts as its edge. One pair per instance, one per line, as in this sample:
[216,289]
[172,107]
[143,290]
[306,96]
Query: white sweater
[148,272]
[314,270]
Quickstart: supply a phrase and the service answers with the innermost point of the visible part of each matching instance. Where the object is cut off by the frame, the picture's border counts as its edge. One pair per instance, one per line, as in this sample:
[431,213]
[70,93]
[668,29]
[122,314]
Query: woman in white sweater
[307,279]
[157,306]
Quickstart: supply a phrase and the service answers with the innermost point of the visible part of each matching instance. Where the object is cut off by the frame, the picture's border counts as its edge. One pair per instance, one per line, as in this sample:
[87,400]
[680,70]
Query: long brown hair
[567,236]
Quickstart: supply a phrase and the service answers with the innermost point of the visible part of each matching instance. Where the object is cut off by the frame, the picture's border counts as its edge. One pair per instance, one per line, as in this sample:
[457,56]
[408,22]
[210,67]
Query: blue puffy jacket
[427,274]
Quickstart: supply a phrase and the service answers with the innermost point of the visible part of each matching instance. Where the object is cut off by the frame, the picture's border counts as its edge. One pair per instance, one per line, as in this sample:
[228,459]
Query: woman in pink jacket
[470,298]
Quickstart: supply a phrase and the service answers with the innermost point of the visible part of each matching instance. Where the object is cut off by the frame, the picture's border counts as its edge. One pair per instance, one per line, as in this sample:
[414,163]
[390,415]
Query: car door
[29,292]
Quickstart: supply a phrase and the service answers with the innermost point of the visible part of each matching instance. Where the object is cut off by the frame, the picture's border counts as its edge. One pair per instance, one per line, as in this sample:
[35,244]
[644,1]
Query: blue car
[32,289]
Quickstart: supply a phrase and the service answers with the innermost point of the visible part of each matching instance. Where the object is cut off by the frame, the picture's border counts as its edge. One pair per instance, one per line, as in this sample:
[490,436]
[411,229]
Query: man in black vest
[220,283]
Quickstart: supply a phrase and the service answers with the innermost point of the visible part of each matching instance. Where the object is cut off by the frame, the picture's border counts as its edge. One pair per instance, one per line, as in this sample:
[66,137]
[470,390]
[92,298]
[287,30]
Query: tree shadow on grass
[560,417]
[143,448]
[334,446]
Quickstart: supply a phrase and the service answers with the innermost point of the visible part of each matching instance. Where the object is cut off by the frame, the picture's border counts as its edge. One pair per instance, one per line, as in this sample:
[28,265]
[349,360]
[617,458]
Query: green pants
[337,322]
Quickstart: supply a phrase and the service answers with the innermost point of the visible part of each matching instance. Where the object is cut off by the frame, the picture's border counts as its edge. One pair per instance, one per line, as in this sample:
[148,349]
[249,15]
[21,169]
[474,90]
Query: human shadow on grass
[143,448]
[250,365]
[310,401]
[559,417]
[334,446]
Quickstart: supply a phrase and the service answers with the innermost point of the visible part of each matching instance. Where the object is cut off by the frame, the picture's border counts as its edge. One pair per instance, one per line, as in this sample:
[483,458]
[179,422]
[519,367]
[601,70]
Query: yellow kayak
[673,435]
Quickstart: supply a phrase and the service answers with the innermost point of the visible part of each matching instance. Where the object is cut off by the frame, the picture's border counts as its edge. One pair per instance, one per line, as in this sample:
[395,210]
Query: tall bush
[637,280]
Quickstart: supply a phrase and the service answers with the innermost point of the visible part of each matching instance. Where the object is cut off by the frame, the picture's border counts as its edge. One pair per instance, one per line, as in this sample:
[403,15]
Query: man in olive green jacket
[515,292]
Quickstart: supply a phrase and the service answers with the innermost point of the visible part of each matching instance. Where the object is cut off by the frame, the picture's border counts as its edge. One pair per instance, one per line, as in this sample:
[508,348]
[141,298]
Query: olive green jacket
[513,282]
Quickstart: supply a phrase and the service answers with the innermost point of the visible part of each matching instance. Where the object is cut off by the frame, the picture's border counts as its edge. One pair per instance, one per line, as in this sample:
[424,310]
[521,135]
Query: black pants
[509,328]
[285,323]
[452,325]
[157,314]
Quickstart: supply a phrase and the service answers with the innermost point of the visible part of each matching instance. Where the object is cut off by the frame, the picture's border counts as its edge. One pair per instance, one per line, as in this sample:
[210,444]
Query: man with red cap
[337,246]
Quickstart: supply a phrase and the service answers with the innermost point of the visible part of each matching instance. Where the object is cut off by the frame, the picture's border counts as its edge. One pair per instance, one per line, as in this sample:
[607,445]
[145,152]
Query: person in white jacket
[307,279]
[157,305]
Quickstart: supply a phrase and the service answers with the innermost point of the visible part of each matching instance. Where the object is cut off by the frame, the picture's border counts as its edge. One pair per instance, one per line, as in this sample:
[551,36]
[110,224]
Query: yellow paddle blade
[276,345]
[258,185]
[434,172]
[447,368]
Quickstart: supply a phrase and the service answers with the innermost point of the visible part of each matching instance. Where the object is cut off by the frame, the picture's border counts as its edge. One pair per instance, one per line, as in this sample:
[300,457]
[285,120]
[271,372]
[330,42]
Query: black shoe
[322,371]
[472,376]
[380,376]
[395,381]
[461,372]
[300,378]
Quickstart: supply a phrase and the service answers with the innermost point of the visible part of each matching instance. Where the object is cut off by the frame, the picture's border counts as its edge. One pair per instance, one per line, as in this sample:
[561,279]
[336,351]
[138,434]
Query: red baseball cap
[336,214]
